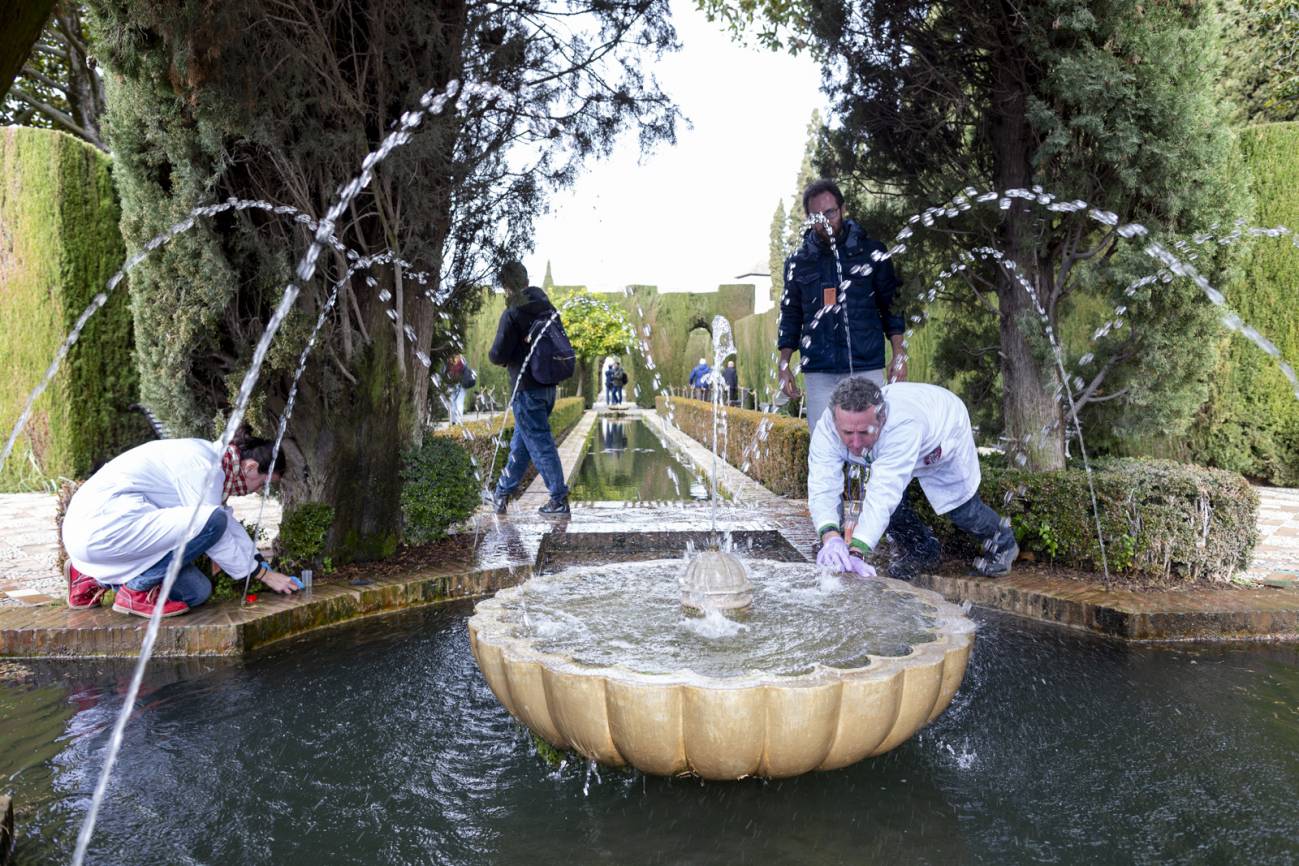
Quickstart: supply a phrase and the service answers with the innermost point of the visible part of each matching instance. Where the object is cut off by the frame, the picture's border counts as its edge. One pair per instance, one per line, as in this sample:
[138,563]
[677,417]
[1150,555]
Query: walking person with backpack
[530,330]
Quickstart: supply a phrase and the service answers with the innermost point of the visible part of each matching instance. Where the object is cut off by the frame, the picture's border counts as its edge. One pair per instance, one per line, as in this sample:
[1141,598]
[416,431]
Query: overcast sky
[696,214]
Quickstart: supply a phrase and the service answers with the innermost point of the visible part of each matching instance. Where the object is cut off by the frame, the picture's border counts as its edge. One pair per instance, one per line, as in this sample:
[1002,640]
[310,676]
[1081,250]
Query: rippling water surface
[801,616]
[382,744]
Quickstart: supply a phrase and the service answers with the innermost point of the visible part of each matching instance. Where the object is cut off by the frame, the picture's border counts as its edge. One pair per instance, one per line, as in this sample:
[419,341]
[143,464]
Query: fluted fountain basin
[821,672]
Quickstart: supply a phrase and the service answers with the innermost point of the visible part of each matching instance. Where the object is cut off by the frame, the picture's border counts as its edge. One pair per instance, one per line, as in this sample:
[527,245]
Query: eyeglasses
[829,213]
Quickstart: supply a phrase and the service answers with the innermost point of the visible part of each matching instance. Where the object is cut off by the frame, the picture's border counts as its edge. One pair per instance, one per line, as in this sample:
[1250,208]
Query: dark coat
[511,343]
[870,317]
[729,377]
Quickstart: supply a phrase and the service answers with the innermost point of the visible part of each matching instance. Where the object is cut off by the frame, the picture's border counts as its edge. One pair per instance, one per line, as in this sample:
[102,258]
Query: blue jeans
[983,523]
[533,442]
[192,586]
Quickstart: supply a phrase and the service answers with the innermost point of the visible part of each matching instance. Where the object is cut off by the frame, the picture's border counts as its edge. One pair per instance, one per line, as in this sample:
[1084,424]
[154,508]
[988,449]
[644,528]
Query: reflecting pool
[380,743]
[625,461]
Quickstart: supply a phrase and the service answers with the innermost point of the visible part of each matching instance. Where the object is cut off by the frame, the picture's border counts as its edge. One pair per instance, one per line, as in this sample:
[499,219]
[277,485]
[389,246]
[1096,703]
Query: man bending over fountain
[533,401]
[901,431]
[124,524]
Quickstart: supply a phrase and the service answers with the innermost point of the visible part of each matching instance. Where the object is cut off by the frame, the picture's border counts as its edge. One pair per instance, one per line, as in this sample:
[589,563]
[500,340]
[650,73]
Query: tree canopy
[1115,103]
[282,100]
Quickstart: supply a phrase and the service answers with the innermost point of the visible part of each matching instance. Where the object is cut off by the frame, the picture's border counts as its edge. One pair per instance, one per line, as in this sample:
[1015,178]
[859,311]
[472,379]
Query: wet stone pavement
[501,551]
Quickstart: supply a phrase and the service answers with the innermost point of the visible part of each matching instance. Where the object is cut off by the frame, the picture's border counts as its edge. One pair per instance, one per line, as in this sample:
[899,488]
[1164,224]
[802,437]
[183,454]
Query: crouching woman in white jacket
[123,525]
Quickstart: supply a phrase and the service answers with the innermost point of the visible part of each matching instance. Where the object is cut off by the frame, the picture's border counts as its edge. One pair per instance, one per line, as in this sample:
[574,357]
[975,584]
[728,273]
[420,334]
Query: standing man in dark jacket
[533,402]
[837,307]
[732,380]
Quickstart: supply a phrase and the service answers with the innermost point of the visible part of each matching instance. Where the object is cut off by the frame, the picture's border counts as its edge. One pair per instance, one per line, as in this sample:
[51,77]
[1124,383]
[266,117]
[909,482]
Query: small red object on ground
[250,597]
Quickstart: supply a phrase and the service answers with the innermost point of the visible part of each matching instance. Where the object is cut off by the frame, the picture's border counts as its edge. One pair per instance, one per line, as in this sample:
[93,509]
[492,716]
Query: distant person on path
[460,373]
[533,402]
[900,432]
[731,379]
[850,339]
[701,379]
[615,377]
[124,523]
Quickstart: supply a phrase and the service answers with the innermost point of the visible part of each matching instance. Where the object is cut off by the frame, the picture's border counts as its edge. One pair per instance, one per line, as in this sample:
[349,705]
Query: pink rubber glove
[861,567]
[834,554]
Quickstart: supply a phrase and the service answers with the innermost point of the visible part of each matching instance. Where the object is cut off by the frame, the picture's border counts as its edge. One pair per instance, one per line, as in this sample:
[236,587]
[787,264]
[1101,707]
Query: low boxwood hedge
[770,449]
[1163,522]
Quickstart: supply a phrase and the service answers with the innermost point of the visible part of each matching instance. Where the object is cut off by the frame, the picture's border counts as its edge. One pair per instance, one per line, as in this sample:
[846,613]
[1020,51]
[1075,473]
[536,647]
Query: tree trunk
[1032,415]
[368,436]
[24,22]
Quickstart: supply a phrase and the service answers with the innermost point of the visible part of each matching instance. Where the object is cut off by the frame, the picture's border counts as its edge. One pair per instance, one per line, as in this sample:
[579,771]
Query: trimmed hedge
[303,530]
[1164,522]
[437,490]
[1251,422]
[778,462]
[59,244]
[478,437]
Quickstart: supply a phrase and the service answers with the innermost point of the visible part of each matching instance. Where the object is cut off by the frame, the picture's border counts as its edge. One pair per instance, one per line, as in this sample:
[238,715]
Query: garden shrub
[303,530]
[59,244]
[437,490]
[1164,522]
[779,462]
[478,438]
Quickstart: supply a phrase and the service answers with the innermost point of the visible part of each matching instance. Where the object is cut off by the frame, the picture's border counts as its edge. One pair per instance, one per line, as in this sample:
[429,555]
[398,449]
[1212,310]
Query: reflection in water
[626,462]
[382,744]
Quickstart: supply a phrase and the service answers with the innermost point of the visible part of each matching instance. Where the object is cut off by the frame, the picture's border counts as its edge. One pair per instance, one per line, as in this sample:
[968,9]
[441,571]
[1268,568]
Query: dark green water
[382,744]
[625,462]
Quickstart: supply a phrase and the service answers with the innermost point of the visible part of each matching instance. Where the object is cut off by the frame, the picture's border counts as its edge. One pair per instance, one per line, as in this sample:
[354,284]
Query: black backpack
[553,359]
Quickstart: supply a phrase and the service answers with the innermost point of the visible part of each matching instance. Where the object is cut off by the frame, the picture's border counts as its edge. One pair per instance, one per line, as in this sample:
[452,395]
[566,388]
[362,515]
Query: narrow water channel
[625,461]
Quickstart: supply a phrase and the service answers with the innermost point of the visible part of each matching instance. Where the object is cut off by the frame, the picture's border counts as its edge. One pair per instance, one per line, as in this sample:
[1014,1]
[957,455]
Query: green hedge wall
[778,462]
[1251,422]
[59,244]
[478,437]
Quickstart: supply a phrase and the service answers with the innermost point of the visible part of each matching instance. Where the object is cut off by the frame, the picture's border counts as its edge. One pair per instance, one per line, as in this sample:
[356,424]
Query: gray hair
[856,394]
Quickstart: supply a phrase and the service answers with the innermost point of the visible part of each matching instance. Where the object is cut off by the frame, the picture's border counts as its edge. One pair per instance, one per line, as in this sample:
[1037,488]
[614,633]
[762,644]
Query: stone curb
[226,629]
[1202,614]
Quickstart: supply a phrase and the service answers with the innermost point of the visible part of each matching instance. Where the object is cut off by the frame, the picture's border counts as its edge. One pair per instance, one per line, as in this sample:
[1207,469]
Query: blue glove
[296,582]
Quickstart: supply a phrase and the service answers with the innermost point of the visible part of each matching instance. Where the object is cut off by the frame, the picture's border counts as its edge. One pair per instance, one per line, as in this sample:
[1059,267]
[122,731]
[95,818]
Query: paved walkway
[28,548]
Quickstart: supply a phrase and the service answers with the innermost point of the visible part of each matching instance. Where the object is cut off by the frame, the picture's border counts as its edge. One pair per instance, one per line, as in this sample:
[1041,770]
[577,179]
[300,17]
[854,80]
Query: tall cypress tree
[1114,102]
[282,101]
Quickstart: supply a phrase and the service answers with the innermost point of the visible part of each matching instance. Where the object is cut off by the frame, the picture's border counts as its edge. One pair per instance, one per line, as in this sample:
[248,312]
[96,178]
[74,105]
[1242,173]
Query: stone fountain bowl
[754,725]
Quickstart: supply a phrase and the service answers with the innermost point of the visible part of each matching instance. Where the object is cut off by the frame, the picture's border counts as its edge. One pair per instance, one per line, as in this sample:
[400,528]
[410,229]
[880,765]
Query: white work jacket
[926,435]
[134,511]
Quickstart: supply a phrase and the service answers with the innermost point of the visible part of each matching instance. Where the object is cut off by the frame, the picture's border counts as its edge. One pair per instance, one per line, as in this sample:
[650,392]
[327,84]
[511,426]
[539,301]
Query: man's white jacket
[926,435]
[135,510]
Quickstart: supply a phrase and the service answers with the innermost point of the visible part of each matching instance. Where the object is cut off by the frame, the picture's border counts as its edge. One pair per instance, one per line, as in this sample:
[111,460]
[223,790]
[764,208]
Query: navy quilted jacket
[868,318]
